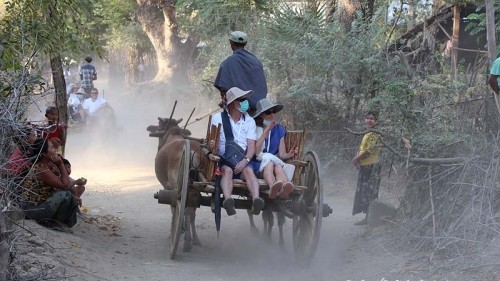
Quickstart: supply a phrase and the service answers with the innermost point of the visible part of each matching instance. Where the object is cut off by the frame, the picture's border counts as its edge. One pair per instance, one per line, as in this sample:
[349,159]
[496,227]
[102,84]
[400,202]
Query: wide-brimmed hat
[264,105]
[235,93]
[238,37]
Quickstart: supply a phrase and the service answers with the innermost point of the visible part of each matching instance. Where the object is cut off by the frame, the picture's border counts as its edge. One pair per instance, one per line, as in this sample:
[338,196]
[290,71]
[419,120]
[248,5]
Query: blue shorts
[254,164]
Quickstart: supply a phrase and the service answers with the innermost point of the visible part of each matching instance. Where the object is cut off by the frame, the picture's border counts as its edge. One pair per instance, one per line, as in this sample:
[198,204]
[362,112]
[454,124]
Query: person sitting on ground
[79,185]
[53,131]
[243,128]
[19,161]
[75,104]
[93,104]
[366,161]
[47,196]
[242,69]
[271,149]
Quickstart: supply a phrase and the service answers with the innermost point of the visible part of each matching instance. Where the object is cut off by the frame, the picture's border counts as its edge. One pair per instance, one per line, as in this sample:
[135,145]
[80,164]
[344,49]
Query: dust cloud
[119,164]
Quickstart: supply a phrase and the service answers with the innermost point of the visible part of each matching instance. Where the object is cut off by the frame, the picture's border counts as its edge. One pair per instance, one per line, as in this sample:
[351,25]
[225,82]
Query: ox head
[164,125]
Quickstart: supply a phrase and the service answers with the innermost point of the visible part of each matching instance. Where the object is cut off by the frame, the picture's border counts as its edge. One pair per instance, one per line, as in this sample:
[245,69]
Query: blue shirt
[276,134]
[243,70]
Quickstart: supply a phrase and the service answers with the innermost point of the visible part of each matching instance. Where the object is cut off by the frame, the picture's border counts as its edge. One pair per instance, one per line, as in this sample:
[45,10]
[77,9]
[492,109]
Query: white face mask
[266,122]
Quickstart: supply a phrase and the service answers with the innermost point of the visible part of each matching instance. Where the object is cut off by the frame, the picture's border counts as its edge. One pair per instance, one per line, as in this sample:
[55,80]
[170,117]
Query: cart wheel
[307,225]
[178,209]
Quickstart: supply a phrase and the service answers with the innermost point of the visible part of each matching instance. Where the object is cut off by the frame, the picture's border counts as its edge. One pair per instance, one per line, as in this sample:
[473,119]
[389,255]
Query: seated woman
[19,162]
[270,149]
[46,196]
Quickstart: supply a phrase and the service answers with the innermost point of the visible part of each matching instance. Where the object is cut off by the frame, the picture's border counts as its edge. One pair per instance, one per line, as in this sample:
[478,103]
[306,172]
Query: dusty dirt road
[138,248]
[124,234]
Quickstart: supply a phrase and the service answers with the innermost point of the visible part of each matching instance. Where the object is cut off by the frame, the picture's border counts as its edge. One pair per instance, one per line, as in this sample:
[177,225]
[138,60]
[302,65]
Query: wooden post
[490,35]
[454,40]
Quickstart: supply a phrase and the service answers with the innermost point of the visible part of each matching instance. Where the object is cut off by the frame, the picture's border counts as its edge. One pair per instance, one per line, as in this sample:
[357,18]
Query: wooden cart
[196,187]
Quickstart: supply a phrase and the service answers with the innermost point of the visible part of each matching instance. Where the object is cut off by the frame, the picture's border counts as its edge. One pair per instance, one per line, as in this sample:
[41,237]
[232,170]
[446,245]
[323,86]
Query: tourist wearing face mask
[236,148]
[271,150]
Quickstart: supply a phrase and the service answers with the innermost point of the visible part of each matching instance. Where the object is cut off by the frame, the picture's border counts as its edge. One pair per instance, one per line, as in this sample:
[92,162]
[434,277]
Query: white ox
[167,161]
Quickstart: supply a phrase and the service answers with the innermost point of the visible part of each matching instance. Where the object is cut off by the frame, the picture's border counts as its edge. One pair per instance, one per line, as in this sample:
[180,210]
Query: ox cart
[197,185]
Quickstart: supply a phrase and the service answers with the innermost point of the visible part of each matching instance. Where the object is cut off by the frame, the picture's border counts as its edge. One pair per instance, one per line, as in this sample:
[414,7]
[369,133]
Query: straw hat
[235,93]
[264,105]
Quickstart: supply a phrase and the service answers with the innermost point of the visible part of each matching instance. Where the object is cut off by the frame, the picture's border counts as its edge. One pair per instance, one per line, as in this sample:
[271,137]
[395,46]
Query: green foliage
[49,26]
[477,21]
[119,28]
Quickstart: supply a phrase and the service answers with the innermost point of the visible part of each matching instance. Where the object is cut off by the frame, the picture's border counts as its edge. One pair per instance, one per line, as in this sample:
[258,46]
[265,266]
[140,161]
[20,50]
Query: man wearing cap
[242,69]
[88,74]
[243,129]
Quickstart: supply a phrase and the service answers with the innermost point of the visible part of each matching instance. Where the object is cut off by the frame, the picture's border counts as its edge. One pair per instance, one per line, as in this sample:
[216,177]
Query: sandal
[286,190]
[275,189]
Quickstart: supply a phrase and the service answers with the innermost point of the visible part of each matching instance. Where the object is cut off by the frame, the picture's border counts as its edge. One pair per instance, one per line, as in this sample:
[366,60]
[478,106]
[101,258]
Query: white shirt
[73,100]
[93,106]
[243,130]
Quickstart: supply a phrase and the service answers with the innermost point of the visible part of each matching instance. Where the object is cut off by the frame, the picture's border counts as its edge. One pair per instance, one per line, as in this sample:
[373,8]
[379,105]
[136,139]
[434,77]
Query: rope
[204,116]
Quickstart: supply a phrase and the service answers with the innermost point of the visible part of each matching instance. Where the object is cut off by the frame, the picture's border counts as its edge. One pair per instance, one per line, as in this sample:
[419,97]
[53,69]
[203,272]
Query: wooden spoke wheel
[180,204]
[307,225]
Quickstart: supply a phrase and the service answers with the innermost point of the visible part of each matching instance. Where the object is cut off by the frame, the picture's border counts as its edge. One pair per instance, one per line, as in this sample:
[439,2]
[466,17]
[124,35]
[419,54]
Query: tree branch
[429,161]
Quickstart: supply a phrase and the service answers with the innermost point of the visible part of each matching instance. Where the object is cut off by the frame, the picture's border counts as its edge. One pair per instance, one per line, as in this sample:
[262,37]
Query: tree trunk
[60,93]
[158,20]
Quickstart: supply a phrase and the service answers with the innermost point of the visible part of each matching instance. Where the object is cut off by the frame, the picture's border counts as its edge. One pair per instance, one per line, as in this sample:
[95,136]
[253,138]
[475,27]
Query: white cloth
[243,130]
[93,106]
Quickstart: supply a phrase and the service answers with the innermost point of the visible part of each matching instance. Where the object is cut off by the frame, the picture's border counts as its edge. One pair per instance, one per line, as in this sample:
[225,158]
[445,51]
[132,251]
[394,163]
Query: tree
[159,22]
[53,28]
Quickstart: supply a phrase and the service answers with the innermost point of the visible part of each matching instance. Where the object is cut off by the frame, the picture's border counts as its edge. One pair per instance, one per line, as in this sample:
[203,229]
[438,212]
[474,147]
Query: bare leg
[226,181]
[268,174]
[280,173]
[252,182]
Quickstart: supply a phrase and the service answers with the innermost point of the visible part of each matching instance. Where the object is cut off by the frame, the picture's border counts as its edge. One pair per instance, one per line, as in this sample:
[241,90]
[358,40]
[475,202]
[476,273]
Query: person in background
[88,74]
[367,161]
[242,69]
[93,104]
[494,75]
[53,131]
[75,104]
[19,161]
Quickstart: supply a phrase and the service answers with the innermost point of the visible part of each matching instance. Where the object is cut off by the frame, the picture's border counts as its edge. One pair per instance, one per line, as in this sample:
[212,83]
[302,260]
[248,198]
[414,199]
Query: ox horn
[179,121]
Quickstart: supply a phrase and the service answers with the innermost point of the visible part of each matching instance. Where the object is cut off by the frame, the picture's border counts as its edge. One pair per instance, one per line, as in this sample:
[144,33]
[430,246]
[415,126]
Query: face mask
[244,105]
[266,122]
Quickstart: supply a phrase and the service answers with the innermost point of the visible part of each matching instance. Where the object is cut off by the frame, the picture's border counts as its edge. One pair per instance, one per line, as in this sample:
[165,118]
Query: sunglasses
[93,93]
[269,112]
[241,99]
